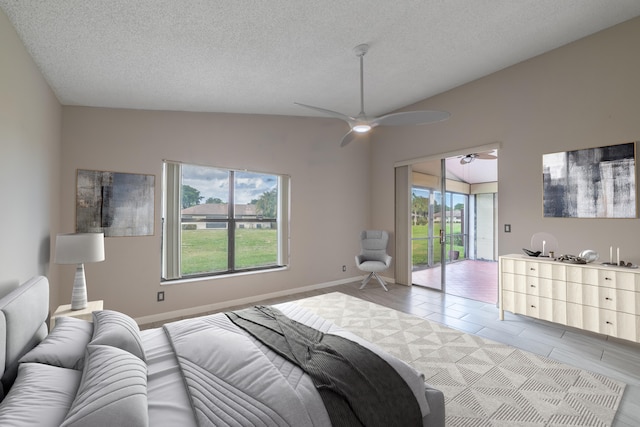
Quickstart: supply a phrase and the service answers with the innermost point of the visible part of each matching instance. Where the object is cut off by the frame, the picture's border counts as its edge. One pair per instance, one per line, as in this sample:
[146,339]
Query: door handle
[442,237]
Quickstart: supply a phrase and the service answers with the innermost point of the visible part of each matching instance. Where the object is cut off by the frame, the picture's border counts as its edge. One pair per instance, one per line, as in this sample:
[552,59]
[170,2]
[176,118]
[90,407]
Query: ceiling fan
[471,157]
[361,124]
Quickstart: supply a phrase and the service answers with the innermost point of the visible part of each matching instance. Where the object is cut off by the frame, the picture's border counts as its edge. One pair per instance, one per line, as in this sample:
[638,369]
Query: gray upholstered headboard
[23,316]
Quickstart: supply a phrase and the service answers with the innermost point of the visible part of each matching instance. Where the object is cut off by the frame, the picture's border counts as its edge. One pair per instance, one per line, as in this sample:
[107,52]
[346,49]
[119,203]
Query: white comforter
[234,379]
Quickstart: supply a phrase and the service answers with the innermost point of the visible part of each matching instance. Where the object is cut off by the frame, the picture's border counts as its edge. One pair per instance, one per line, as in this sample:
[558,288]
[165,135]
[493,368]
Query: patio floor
[477,280]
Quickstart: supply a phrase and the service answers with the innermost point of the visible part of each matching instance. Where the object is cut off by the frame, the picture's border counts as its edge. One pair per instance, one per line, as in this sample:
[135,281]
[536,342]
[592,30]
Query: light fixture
[467,159]
[362,128]
[78,248]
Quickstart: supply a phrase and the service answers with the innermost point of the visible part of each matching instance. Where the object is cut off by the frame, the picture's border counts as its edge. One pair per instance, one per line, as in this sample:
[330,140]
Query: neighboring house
[213,215]
[457,215]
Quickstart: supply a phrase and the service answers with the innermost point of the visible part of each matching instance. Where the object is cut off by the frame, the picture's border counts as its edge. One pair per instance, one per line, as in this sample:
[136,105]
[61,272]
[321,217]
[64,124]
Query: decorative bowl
[589,255]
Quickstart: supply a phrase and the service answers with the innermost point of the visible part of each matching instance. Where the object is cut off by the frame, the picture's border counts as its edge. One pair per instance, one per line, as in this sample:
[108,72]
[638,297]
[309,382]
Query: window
[221,221]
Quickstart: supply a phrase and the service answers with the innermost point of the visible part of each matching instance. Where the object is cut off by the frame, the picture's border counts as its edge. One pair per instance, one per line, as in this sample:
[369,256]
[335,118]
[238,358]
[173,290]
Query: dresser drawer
[609,278]
[541,269]
[628,280]
[602,321]
[602,297]
[514,302]
[547,288]
[552,310]
[620,300]
[619,325]
[508,301]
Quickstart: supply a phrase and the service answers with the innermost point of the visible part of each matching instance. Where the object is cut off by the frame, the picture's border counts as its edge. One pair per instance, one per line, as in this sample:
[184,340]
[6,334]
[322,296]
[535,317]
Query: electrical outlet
[507,228]
[344,268]
[160,296]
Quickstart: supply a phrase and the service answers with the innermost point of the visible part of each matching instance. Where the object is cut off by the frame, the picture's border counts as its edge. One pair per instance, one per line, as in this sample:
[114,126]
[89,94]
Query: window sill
[220,276]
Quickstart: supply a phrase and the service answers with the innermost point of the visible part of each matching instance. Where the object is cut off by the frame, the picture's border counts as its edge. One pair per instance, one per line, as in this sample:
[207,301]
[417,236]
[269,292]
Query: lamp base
[79,293]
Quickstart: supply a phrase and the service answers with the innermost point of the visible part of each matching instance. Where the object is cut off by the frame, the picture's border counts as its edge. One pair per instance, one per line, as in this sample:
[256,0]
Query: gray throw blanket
[357,387]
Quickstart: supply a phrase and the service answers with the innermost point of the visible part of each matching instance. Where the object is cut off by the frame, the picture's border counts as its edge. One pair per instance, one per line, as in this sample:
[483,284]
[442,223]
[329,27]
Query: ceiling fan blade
[412,118]
[331,113]
[349,136]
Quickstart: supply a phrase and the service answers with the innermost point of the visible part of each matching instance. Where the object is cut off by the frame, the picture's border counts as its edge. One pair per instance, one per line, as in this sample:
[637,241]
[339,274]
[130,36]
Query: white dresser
[594,297]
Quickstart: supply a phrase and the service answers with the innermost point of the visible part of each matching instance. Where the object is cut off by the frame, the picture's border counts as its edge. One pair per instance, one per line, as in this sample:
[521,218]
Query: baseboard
[192,311]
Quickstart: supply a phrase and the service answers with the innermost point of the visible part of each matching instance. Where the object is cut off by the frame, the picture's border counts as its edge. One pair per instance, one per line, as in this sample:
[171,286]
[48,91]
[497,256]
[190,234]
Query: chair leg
[382,283]
[378,278]
[366,280]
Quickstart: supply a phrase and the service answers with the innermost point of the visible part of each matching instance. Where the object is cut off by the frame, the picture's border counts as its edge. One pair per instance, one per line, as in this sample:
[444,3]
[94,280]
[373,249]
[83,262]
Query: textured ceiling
[256,56]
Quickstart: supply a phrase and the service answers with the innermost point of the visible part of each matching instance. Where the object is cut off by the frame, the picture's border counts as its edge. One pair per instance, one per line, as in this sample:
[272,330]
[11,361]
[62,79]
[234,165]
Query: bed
[209,370]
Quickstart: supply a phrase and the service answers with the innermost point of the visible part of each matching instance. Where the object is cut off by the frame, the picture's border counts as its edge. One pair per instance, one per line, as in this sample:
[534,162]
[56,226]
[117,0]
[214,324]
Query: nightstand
[85,313]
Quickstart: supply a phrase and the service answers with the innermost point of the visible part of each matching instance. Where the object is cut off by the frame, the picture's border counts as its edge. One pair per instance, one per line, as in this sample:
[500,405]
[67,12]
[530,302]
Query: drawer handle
[533,286]
[533,306]
[607,278]
[609,299]
[532,269]
[608,323]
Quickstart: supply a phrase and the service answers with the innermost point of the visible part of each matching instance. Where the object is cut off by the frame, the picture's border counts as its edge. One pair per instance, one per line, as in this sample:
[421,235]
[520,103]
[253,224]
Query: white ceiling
[256,56]
[476,172]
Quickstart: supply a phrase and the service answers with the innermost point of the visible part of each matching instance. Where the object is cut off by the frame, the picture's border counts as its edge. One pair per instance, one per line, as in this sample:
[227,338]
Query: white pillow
[64,346]
[118,330]
[40,397]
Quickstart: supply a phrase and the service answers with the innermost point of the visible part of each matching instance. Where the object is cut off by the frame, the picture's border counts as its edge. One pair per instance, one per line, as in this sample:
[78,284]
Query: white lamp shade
[78,248]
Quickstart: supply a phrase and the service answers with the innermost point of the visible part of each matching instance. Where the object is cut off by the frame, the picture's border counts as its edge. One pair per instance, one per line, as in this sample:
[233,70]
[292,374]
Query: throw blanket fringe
[357,387]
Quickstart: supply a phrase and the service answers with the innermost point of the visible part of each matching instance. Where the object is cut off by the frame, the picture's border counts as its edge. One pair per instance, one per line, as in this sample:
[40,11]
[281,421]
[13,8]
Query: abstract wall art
[118,204]
[590,183]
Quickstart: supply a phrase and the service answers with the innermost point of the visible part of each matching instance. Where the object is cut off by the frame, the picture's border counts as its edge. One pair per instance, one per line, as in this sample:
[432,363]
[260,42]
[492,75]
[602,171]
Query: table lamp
[78,248]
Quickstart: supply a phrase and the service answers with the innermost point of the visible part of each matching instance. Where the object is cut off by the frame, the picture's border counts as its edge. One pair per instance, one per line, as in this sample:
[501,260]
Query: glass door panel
[457,237]
[485,228]
[426,220]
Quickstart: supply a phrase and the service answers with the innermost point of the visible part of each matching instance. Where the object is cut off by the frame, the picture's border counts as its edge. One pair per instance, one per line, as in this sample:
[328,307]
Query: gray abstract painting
[118,204]
[591,183]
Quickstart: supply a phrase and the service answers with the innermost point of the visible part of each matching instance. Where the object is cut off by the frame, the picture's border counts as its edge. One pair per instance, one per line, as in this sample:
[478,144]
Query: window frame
[171,259]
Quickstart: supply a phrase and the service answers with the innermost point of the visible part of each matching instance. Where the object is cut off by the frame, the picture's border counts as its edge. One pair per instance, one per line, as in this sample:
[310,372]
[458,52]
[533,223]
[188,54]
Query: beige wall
[329,201]
[30,120]
[586,94]
[581,95]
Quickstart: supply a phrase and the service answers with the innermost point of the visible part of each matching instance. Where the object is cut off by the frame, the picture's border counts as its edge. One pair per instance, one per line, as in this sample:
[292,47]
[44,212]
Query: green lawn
[205,251]
[420,247]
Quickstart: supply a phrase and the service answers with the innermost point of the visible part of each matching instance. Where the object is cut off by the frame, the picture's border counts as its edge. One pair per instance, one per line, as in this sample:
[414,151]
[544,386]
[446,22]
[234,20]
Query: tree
[190,196]
[267,205]
[215,201]
[436,206]
[419,207]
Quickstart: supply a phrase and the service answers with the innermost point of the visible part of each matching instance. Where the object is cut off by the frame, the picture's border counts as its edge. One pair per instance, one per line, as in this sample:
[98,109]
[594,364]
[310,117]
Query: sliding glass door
[426,237]
[439,229]
[446,213]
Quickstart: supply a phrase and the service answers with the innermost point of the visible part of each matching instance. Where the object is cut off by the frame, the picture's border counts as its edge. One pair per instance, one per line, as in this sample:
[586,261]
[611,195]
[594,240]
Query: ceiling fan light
[466,159]
[362,128]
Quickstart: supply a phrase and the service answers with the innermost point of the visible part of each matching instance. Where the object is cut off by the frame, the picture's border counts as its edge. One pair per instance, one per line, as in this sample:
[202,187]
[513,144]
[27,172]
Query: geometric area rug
[484,383]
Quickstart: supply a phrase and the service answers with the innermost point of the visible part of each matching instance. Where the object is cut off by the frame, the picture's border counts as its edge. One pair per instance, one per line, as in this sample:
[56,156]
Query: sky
[214,183]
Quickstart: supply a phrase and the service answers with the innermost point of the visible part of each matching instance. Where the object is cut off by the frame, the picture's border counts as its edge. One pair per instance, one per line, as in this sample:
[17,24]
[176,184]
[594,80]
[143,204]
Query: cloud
[214,183]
